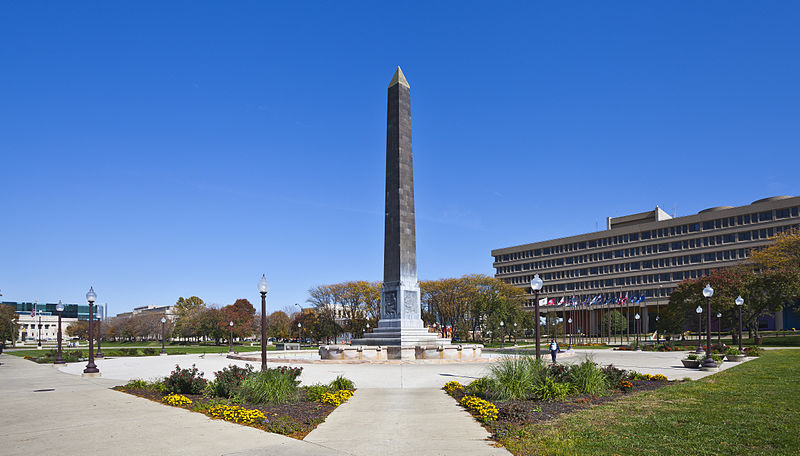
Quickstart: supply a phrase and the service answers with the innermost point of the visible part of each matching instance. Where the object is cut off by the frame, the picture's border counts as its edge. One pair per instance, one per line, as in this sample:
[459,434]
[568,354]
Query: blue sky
[165,149]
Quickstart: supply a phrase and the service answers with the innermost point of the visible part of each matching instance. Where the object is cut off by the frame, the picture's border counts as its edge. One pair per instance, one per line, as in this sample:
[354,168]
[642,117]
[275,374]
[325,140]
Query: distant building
[44,327]
[76,311]
[648,254]
[168,311]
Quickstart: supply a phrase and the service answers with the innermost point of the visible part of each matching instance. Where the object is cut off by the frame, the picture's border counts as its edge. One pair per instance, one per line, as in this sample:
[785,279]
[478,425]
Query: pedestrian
[553,349]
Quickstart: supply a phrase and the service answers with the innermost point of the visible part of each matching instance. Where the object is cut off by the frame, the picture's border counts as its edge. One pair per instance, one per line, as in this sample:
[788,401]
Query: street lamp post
[515,333]
[502,334]
[719,329]
[658,336]
[637,317]
[163,335]
[91,367]
[536,285]
[300,334]
[39,312]
[59,309]
[367,327]
[263,288]
[569,347]
[739,301]
[699,311]
[99,336]
[709,363]
[230,339]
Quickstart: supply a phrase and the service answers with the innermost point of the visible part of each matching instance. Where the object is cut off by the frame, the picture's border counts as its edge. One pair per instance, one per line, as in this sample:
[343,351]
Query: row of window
[654,234]
[681,260]
[618,282]
[708,241]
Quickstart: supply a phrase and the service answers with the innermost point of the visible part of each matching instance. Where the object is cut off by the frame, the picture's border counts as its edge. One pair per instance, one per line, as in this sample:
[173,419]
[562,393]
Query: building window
[764,216]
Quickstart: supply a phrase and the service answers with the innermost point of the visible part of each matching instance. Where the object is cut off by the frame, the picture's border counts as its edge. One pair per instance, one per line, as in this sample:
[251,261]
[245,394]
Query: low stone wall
[468,352]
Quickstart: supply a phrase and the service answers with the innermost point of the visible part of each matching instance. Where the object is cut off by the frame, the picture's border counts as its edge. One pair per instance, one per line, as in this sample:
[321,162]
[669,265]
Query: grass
[175,349]
[750,409]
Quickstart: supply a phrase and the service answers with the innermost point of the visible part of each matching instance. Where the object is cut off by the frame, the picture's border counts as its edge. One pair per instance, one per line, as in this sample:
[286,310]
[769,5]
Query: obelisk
[400,306]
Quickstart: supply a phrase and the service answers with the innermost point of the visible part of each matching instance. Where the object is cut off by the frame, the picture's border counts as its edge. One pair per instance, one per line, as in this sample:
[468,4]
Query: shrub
[625,386]
[557,372]
[341,383]
[452,386]
[587,378]
[613,375]
[733,351]
[482,410]
[150,351]
[752,351]
[228,380]
[185,381]
[273,386]
[481,387]
[282,425]
[337,398]
[693,357]
[177,400]
[717,358]
[314,392]
[293,372]
[659,378]
[137,383]
[514,378]
[551,390]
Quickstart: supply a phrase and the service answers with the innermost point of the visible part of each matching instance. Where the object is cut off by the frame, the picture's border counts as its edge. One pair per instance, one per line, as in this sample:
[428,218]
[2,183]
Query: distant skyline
[156,150]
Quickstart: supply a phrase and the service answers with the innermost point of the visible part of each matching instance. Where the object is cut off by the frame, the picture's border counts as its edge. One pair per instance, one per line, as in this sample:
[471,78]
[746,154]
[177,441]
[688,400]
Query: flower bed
[556,390]
[282,407]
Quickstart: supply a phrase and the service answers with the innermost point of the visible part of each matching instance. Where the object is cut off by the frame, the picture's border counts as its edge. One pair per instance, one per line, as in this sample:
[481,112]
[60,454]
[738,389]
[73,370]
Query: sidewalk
[83,416]
[409,421]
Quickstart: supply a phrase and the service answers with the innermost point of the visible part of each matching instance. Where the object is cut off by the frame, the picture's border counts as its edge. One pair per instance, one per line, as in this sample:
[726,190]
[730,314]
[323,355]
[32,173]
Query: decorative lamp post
[263,288]
[230,339]
[658,335]
[569,346]
[300,334]
[536,286]
[39,312]
[709,363]
[163,335]
[502,333]
[515,333]
[739,301]
[91,367]
[699,311]
[367,327]
[637,317]
[59,309]
[719,329]
[99,336]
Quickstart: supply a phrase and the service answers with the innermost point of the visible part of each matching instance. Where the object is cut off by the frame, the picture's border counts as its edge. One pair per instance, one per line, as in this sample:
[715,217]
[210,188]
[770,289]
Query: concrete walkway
[420,421]
[83,416]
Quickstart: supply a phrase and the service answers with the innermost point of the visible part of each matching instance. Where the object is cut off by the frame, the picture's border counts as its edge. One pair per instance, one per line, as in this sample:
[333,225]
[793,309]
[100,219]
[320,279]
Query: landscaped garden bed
[271,400]
[524,391]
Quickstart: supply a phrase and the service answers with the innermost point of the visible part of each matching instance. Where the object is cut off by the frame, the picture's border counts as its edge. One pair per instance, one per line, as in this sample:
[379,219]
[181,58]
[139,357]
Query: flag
[33,310]
[543,301]
[562,300]
[641,298]
[551,302]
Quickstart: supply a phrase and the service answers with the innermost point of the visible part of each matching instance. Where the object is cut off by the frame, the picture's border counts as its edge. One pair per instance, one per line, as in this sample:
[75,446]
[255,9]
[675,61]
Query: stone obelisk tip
[399,78]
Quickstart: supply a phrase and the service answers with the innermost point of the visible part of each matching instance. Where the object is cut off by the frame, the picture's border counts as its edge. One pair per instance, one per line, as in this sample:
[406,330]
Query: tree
[278,325]
[614,321]
[783,252]
[190,319]
[79,329]
[9,329]
[242,314]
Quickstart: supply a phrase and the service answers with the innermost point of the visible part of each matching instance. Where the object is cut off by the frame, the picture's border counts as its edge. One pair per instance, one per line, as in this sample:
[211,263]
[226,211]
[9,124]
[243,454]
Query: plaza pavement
[399,408]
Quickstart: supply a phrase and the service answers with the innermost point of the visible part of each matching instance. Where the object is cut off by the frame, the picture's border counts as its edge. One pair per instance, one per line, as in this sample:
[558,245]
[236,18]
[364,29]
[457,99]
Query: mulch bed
[514,413]
[302,416]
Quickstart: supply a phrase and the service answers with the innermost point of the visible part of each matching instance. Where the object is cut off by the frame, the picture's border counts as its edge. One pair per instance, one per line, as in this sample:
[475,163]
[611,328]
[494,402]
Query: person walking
[553,349]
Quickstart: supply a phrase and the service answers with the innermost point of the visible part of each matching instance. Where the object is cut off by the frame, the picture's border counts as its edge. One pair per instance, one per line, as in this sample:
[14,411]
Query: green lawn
[749,409]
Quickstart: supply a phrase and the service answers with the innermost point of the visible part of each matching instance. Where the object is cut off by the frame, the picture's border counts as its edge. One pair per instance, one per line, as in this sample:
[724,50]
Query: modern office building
[78,311]
[648,254]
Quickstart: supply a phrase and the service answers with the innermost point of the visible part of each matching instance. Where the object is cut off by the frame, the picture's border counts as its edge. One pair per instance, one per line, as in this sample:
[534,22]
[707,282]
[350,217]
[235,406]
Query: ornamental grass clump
[587,378]
[483,410]
[342,383]
[273,386]
[236,414]
[177,400]
[551,390]
[515,377]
